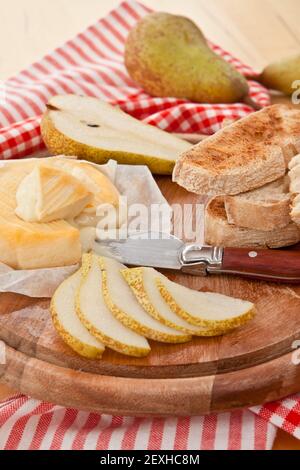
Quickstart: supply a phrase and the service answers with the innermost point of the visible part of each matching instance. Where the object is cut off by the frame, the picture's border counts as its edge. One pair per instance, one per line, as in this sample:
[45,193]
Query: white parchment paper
[134,182]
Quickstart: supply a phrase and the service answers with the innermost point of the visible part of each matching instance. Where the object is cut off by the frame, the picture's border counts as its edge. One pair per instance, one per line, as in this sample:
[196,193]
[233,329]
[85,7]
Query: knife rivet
[252,254]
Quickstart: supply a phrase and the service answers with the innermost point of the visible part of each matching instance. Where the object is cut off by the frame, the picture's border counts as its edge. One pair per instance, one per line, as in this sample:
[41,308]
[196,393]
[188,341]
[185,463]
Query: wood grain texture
[285,441]
[158,397]
[25,325]
[203,375]
[263,264]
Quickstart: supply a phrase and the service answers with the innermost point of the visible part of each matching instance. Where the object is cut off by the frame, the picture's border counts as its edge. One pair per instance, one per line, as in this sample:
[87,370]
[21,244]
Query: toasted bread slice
[295,209]
[219,232]
[266,208]
[243,156]
[294,162]
[294,179]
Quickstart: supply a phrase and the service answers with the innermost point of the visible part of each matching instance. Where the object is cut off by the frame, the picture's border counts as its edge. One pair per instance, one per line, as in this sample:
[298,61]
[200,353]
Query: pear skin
[281,75]
[167,55]
[96,131]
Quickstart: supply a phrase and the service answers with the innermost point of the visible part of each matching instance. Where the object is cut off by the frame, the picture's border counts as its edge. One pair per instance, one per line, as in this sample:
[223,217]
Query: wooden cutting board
[249,366]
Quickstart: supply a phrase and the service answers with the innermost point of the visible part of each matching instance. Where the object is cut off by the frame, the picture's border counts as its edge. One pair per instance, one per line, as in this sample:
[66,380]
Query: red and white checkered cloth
[29,424]
[92,64]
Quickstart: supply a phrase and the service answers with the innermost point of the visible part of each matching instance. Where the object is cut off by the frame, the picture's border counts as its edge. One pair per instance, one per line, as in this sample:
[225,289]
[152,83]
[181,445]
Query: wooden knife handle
[272,265]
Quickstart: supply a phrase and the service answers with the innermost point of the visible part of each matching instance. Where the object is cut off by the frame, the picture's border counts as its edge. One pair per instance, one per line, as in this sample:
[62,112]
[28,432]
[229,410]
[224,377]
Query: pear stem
[250,102]
[254,77]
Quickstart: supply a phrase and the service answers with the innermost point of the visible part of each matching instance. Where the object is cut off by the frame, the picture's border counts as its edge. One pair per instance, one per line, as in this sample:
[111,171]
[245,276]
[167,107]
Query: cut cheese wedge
[34,245]
[87,173]
[125,307]
[31,245]
[205,308]
[103,190]
[142,282]
[98,319]
[49,193]
[67,323]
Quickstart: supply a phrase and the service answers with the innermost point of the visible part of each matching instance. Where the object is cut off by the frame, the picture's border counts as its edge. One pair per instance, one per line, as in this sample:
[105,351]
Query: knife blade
[154,249]
[143,251]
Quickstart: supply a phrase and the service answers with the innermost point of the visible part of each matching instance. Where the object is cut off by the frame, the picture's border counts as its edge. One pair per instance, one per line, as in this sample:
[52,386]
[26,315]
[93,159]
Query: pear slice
[94,130]
[142,282]
[67,323]
[205,308]
[122,303]
[97,318]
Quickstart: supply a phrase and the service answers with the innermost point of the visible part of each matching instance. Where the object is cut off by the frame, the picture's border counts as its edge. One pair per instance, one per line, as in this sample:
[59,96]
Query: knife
[155,250]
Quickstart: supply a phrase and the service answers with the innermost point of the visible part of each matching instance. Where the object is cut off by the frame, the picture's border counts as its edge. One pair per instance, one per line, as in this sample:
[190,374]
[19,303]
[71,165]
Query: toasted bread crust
[219,232]
[258,216]
[243,156]
[266,208]
[294,180]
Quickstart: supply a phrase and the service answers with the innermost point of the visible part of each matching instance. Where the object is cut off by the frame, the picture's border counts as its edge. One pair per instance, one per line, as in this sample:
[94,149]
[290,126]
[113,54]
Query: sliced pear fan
[142,282]
[67,323]
[122,303]
[96,131]
[205,308]
[98,319]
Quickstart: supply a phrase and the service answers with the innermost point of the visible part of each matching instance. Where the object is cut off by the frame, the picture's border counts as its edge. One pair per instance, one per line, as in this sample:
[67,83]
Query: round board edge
[134,397]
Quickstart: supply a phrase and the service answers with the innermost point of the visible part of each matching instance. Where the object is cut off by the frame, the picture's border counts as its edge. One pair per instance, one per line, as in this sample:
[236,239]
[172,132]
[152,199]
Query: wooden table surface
[256,31]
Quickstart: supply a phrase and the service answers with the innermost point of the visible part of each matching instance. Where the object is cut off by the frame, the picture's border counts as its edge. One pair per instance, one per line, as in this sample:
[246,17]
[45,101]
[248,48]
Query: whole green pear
[167,55]
[281,75]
